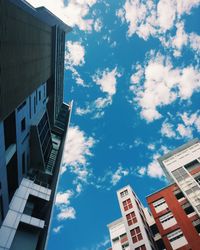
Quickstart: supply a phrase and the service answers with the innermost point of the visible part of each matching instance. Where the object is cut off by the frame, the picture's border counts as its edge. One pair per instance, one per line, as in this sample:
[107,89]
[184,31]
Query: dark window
[124,193]
[136,234]
[131,218]
[23,163]
[188,208]
[36,97]
[196,224]
[34,105]
[192,165]
[127,204]
[1,209]
[141,248]
[30,107]
[21,106]
[39,95]
[23,124]
[179,195]
[198,179]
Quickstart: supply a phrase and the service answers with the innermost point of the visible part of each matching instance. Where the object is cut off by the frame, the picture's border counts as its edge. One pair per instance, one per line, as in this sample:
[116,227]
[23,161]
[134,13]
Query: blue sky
[132,69]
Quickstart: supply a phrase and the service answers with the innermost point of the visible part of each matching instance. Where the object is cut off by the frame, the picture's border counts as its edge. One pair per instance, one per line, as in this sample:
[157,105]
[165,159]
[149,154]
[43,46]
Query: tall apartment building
[33,121]
[176,207]
[132,231]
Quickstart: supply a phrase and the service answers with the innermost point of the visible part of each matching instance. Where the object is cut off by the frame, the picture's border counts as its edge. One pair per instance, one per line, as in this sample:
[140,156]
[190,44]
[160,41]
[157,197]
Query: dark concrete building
[33,121]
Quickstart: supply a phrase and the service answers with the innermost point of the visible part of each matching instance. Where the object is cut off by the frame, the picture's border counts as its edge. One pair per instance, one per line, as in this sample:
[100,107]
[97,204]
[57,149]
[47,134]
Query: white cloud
[184,131]
[103,102]
[118,174]
[141,171]
[191,119]
[187,123]
[63,197]
[74,13]
[107,80]
[136,78]
[194,41]
[57,229]
[167,130]
[64,210]
[76,152]
[150,18]
[66,213]
[111,177]
[75,54]
[101,244]
[82,111]
[151,146]
[79,188]
[98,25]
[78,147]
[161,84]
[96,107]
[154,170]
[181,39]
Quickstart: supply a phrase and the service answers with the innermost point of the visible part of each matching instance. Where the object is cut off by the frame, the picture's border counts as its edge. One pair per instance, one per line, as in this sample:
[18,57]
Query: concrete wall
[25,55]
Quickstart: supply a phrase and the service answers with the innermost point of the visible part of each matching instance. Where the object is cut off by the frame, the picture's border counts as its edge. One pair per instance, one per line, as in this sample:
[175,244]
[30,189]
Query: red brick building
[176,220]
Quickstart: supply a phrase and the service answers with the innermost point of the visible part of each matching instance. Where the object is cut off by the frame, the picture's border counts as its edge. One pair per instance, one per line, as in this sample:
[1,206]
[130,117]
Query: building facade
[33,121]
[176,220]
[176,207]
[136,231]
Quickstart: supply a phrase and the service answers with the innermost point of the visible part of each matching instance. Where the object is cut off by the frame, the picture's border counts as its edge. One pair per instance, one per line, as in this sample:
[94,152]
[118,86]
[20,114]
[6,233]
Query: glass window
[141,248]
[131,218]
[124,193]
[23,124]
[175,235]
[136,234]
[1,210]
[23,163]
[127,204]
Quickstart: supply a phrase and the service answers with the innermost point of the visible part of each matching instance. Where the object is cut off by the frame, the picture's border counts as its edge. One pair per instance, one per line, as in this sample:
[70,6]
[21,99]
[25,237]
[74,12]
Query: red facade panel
[183,221]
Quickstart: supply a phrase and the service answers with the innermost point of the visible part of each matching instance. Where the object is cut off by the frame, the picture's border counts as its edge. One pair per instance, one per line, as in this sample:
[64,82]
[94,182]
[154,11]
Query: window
[21,106]
[131,218]
[115,239]
[177,239]
[39,95]
[34,105]
[125,246]
[188,208]
[23,124]
[127,204]
[1,209]
[123,238]
[192,165]
[159,202]
[160,205]
[198,179]
[167,220]
[178,194]
[175,235]
[23,163]
[136,234]
[196,224]
[141,248]
[180,174]
[30,107]
[124,193]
